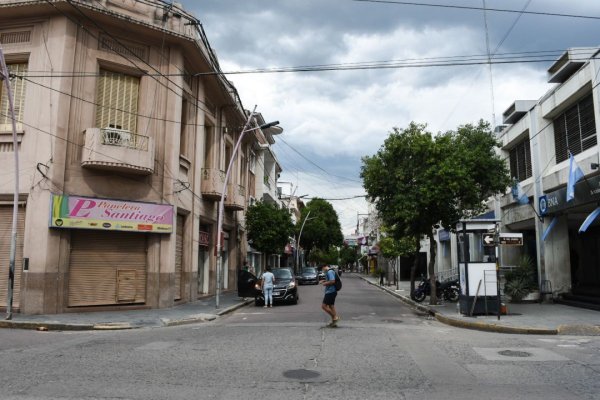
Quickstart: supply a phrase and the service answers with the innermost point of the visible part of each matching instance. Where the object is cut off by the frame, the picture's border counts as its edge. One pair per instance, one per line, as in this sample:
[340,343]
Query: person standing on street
[268,280]
[330,294]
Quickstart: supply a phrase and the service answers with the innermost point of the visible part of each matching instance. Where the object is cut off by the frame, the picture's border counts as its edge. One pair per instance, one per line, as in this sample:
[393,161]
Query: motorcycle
[448,291]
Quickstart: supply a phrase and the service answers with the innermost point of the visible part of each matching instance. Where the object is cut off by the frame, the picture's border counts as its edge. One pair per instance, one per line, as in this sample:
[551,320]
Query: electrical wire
[473,8]
[427,62]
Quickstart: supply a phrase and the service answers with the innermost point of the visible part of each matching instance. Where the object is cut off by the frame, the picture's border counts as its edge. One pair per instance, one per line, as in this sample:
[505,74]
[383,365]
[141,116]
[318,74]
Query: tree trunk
[431,269]
[413,269]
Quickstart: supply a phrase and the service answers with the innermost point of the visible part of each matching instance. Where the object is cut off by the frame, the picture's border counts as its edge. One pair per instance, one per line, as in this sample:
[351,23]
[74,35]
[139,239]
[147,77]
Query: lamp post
[5,76]
[299,236]
[222,201]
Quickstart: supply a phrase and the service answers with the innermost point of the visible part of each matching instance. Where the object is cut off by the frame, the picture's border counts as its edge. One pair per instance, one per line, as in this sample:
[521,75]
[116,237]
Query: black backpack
[338,282]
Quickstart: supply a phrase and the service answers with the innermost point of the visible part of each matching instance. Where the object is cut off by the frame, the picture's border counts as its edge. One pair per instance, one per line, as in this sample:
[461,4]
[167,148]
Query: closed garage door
[178,257]
[107,268]
[5,239]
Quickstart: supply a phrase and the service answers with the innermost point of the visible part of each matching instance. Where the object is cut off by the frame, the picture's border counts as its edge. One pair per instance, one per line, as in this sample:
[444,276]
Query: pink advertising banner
[112,215]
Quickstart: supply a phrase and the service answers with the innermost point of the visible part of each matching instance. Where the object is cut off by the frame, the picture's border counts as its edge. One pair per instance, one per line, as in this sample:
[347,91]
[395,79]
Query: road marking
[435,365]
[505,354]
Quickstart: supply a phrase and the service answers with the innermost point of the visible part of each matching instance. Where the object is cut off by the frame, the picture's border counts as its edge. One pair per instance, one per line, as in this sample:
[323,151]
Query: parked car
[285,289]
[308,276]
[321,274]
[337,269]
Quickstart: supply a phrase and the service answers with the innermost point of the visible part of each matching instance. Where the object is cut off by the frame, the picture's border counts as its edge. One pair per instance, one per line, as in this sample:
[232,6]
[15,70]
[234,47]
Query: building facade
[125,129]
[538,140]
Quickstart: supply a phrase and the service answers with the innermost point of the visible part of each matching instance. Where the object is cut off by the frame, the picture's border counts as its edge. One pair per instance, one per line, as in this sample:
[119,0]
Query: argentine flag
[518,194]
[575,174]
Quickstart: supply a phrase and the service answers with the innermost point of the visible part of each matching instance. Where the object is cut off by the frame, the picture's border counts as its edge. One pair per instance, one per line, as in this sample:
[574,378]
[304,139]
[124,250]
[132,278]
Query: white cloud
[334,118]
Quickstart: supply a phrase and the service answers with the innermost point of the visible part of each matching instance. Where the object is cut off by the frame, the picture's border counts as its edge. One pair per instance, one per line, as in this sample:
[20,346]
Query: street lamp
[222,201]
[5,76]
[298,243]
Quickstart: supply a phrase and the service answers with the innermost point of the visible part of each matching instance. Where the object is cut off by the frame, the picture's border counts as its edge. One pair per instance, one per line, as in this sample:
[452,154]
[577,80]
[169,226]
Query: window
[228,155]
[18,90]
[252,162]
[208,145]
[520,161]
[117,98]
[183,133]
[575,129]
[243,170]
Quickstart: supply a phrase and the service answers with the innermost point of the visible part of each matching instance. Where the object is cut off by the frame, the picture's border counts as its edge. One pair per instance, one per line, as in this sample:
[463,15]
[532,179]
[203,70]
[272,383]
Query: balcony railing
[236,197]
[122,138]
[118,150]
[212,183]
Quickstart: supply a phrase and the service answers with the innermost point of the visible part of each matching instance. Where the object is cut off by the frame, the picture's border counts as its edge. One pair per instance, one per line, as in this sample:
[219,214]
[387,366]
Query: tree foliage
[419,181]
[348,255]
[325,257]
[269,227]
[391,248]
[322,228]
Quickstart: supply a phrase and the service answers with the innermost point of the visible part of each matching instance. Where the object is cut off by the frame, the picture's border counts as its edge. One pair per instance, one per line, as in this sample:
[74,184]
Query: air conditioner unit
[116,136]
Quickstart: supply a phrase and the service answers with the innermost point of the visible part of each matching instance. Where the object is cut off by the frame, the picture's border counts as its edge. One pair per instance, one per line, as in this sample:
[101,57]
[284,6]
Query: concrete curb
[197,318]
[488,327]
[481,326]
[45,326]
[192,319]
[106,326]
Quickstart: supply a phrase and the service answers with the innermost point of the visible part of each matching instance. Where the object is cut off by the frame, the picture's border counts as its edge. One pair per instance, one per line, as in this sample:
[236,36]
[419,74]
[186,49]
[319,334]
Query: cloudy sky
[333,118]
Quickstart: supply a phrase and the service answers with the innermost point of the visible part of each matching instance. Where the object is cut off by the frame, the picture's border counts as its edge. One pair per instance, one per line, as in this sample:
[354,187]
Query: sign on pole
[488,239]
[511,239]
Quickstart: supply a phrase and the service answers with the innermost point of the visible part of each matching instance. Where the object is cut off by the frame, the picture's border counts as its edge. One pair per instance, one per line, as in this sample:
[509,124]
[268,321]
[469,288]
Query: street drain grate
[301,374]
[513,353]
[392,321]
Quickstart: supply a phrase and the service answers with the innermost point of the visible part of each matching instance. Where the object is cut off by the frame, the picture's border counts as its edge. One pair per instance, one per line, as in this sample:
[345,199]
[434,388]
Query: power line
[429,62]
[502,10]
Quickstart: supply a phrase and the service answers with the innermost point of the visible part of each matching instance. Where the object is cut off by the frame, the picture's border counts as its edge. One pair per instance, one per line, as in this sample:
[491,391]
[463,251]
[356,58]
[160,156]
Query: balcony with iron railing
[118,150]
[212,183]
[236,197]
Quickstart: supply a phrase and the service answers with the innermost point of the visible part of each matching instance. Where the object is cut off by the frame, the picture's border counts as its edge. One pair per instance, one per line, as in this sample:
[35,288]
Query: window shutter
[587,123]
[117,98]
[18,88]
[575,129]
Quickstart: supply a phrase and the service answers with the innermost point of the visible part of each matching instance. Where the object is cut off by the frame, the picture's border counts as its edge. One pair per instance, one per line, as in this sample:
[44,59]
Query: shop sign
[110,215]
[587,191]
[203,238]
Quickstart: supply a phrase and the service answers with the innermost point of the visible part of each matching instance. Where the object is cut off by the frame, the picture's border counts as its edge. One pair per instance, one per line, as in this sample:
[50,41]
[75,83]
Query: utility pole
[299,236]
[4,75]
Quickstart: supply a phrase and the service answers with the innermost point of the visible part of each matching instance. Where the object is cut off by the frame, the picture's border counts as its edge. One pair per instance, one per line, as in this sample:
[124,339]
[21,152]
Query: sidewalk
[525,318]
[541,319]
[198,311]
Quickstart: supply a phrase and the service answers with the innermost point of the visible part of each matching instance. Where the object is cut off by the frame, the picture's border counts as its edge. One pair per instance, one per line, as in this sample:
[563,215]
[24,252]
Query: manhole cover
[513,353]
[392,321]
[300,374]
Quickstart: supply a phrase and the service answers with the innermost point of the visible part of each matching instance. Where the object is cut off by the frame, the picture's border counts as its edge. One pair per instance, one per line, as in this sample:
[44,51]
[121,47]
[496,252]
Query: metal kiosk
[477,266]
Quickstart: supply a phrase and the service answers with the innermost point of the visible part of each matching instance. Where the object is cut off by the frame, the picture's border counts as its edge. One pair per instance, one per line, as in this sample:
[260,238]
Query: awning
[588,221]
[549,228]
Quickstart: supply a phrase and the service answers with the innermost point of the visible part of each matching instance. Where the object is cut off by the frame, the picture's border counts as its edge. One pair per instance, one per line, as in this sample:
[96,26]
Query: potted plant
[521,282]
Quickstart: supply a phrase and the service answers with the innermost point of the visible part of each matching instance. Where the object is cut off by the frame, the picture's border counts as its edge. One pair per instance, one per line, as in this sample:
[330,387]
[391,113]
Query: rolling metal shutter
[178,257]
[5,239]
[107,268]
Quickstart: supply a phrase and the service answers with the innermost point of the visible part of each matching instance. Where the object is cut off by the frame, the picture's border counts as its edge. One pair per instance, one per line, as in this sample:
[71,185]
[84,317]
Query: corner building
[125,129]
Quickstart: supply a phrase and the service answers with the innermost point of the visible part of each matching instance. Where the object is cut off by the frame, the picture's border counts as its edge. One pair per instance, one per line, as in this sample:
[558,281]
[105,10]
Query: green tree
[418,181]
[348,255]
[322,257]
[392,248]
[322,229]
[268,227]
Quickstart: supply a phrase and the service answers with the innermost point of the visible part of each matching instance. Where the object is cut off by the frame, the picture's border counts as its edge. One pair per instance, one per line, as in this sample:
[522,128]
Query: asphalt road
[382,350]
